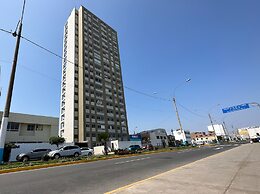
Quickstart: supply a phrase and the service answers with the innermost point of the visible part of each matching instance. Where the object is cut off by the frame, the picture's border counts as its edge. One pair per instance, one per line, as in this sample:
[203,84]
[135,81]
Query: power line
[59,56]
[190,111]
[131,89]
[47,50]
[3,30]
[55,54]
[145,94]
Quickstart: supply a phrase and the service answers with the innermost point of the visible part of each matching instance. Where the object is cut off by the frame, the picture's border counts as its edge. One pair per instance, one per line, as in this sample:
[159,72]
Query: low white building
[243,134]
[183,136]
[251,132]
[202,138]
[254,132]
[155,137]
[25,128]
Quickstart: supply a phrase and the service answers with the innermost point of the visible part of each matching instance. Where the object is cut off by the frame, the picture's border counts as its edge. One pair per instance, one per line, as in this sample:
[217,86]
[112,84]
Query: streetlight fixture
[255,104]
[175,104]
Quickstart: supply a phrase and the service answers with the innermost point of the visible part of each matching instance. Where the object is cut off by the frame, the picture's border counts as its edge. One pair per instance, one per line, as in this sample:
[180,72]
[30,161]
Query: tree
[104,137]
[56,141]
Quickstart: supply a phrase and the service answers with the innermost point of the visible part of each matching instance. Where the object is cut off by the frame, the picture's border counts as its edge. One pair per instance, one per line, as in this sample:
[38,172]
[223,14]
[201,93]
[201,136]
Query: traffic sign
[235,108]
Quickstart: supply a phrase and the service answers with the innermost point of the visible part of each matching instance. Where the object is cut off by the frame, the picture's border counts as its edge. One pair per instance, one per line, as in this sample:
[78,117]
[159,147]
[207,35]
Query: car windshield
[60,148]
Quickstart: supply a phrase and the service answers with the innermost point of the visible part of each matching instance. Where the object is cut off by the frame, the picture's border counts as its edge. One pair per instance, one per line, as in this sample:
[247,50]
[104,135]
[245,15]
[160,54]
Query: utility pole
[176,109]
[226,131]
[6,112]
[178,117]
[213,126]
[177,113]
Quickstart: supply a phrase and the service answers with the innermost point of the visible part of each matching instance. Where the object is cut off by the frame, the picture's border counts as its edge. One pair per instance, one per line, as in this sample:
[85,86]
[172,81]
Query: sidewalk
[234,171]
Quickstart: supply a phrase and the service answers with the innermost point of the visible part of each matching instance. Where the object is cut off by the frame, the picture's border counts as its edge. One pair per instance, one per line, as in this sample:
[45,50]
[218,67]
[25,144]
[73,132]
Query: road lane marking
[135,160]
[83,163]
[169,171]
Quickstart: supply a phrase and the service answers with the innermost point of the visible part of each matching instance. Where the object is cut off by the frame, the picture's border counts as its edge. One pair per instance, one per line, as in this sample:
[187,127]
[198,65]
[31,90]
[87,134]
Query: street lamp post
[176,109]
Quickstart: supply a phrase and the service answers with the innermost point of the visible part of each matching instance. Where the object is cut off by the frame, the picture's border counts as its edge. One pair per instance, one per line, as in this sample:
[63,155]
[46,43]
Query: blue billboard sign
[135,137]
[235,108]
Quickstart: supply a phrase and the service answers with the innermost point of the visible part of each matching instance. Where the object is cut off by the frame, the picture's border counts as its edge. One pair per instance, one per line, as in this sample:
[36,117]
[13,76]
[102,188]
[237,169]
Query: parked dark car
[35,154]
[121,151]
[255,140]
[134,148]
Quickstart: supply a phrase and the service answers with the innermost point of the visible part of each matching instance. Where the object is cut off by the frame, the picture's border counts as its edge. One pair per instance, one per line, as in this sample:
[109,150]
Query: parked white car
[87,151]
[65,151]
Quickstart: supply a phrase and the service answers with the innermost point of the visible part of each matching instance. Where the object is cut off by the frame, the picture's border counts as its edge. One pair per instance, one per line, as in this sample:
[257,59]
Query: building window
[30,127]
[157,137]
[12,126]
[39,127]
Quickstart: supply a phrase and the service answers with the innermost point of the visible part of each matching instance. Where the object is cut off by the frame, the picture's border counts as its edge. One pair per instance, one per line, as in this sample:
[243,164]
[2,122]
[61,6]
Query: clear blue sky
[162,42]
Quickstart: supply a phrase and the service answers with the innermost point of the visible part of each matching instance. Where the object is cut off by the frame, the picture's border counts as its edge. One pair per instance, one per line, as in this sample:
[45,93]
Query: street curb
[5,171]
[169,171]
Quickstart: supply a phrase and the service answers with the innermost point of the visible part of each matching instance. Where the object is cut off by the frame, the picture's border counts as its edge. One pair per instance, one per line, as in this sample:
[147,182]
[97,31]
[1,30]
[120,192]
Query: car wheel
[90,154]
[76,154]
[25,158]
[56,156]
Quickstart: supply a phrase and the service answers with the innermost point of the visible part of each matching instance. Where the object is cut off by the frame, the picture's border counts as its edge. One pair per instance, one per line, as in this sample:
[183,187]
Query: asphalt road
[100,176]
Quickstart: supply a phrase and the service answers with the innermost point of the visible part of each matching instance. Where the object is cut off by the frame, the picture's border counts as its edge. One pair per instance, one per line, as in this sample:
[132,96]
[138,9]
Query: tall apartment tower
[92,94]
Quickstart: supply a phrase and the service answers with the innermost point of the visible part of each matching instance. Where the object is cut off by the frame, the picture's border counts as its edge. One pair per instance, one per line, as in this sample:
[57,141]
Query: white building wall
[181,136]
[204,140]
[219,130]
[68,131]
[123,144]
[253,132]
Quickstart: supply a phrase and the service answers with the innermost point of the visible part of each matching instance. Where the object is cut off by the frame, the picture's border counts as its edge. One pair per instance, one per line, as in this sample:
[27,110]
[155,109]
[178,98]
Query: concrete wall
[99,150]
[123,144]
[27,147]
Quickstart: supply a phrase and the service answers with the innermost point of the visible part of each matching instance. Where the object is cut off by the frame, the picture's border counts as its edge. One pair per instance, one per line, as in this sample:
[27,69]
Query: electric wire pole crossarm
[6,112]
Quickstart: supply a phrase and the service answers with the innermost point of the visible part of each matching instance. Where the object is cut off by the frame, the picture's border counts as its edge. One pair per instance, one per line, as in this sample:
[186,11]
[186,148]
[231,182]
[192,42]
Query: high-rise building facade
[92,93]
